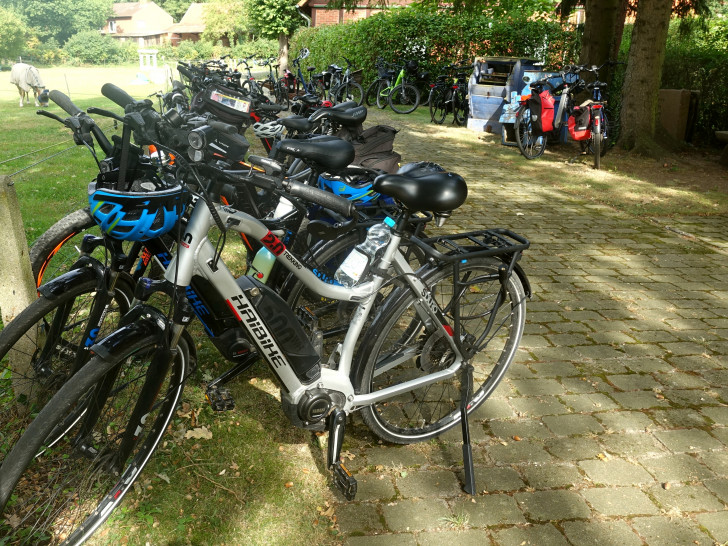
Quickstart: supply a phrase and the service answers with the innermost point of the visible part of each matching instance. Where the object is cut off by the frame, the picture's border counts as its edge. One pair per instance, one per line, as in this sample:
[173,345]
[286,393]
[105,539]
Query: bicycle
[384,76]
[401,96]
[531,139]
[344,88]
[275,85]
[450,96]
[425,335]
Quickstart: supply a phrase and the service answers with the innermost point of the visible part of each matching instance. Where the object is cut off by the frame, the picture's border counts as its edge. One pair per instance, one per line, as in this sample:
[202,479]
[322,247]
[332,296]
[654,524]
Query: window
[112,27]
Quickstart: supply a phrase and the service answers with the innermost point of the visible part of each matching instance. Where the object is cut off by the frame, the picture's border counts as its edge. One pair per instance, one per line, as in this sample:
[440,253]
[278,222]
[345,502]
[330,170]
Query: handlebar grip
[186,72]
[116,94]
[64,102]
[222,127]
[321,197]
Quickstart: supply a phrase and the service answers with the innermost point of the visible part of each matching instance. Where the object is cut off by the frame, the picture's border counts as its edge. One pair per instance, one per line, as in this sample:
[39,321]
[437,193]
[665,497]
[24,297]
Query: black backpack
[373,149]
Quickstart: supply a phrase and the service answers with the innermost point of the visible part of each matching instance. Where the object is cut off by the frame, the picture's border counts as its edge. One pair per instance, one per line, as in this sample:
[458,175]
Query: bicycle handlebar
[116,94]
[86,122]
[65,103]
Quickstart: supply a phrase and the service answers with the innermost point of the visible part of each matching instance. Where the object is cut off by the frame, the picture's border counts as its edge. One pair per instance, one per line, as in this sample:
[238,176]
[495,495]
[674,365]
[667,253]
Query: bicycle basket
[149,209]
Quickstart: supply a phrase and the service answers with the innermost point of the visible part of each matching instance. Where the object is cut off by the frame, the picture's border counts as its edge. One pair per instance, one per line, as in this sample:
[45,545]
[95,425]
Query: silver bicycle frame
[196,255]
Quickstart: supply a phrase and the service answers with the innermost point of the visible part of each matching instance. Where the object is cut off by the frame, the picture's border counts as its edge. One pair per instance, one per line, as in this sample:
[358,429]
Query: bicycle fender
[140,321]
[61,284]
[524,280]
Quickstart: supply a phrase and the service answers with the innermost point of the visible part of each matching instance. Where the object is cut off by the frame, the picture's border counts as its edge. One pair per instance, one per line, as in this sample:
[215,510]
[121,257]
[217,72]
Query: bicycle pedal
[344,481]
[219,399]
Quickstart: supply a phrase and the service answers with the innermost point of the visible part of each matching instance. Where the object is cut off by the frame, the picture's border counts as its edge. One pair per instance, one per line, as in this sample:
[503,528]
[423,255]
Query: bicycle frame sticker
[273,243]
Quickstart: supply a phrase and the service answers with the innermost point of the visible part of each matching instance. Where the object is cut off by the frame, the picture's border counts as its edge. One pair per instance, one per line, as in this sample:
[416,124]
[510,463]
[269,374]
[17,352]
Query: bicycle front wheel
[370,96]
[530,145]
[350,91]
[399,347]
[460,107]
[404,99]
[83,452]
[383,91]
[439,103]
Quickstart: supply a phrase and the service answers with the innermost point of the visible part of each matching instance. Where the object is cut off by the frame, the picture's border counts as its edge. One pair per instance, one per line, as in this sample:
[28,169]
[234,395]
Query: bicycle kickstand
[465,392]
[344,481]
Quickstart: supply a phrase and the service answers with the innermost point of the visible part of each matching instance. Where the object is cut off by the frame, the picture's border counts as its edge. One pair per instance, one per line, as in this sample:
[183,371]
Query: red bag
[542,111]
[579,124]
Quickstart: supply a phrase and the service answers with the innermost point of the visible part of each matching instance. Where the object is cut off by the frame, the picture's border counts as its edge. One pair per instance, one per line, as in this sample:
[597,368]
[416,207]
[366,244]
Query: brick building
[320,13]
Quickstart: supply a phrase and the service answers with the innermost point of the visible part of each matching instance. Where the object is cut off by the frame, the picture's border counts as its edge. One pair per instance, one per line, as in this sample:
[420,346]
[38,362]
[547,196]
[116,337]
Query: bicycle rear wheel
[440,104]
[82,475]
[350,91]
[404,98]
[383,91]
[370,96]
[530,145]
[398,347]
[460,107]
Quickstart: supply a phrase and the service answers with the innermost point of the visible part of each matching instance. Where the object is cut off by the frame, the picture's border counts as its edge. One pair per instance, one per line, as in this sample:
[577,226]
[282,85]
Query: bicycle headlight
[197,138]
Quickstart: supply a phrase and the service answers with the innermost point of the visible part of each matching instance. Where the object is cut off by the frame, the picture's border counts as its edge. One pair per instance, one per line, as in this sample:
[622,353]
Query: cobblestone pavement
[612,424]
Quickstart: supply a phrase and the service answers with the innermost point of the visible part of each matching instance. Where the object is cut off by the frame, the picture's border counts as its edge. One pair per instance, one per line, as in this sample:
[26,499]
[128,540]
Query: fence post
[17,289]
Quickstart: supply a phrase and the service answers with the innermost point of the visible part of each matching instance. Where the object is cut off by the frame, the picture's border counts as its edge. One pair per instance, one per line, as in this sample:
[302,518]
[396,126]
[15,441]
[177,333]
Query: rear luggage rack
[474,244]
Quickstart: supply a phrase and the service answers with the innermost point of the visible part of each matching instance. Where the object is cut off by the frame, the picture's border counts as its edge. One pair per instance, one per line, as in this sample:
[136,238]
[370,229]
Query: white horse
[26,78]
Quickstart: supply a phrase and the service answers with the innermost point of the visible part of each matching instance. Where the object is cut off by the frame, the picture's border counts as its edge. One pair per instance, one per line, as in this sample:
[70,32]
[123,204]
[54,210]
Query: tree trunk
[599,29]
[619,28]
[283,51]
[642,79]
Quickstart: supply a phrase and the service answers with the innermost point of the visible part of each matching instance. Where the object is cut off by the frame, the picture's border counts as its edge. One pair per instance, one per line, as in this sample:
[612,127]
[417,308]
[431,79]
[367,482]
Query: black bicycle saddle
[325,153]
[436,192]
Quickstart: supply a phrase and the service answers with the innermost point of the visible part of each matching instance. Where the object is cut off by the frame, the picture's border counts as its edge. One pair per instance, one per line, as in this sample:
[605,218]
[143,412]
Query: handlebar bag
[228,105]
[579,124]
[542,111]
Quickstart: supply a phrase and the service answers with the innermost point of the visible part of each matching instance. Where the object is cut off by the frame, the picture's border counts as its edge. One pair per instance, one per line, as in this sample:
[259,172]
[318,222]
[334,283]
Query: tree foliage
[90,47]
[225,18]
[12,33]
[60,19]
[271,18]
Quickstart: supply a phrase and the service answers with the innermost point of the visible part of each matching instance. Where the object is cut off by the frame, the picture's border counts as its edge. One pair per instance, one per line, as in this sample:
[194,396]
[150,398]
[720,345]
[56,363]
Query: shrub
[434,39]
[90,47]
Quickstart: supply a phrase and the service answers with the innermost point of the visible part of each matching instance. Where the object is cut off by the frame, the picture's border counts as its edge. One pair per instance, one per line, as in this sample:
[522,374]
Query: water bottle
[264,260]
[357,263]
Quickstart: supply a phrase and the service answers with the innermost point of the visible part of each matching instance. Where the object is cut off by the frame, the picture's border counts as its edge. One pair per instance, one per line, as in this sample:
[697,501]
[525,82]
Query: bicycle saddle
[436,192]
[353,116]
[297,123]
[324,153]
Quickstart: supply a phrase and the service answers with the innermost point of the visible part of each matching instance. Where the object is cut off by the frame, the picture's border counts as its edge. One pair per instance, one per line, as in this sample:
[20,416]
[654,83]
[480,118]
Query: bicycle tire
[81,487]
[404,99]
[597,143]
[383,91]
[397,334]
[38,349]
[370,96]
[350,91]
[281,95]
[58,248]
[460,107]
[439,106]
[530,145]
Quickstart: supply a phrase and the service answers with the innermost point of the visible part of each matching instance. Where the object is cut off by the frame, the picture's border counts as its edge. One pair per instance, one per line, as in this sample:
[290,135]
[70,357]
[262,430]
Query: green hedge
[699,60]
[435,39]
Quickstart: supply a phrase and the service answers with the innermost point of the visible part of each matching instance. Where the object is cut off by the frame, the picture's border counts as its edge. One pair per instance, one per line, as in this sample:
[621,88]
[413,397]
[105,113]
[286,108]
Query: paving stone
[686,498]
[415,514]
[552,476]
[374,487]
[660,530]
[535,387]
[721,434]
[586,403]
[633,382]
[719,488]
[620,501]
[533,406]
[537,535]
[573,449]
[530,429]
[615,472]
[688,440]
[571,425]
[648,365]
[390,456]
[403,539]
[553,505]
[477,433]
[679,418]
[554,369]
[690,397]
[632,444]
[585,385]
[518,452]
[470,537]
[717,461]
[716,523]
[718,415]
[493,409]
[601,533]
[679,380]
[360,517]
[490,510]
[639,400]
[679,467]
[432,483]
[599,352]
[626,421]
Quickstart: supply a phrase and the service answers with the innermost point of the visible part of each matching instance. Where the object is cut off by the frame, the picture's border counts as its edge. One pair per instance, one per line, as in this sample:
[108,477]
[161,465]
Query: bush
[698,60]
[46,52]
[434,39]
[90,47]
[261,49]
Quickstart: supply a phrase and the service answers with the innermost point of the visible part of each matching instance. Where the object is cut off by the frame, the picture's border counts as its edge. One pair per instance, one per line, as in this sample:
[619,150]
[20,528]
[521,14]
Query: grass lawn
[257,480]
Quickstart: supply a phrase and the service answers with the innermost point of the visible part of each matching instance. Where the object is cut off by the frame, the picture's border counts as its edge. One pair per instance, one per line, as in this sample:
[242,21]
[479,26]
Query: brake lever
[51,115]
[105,113]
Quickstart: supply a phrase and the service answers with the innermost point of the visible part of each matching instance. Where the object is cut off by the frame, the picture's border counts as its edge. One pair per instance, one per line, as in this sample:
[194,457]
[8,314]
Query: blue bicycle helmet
[149,210]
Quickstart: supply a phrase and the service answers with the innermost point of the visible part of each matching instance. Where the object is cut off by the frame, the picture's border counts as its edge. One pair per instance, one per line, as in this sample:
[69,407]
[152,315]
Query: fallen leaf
[349,455]
[517,438]
[289,484]
[163,476]
[234,466]
[403,473]
[202,433]
[379,467]
[305,470]
[666,485]
[222,472]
